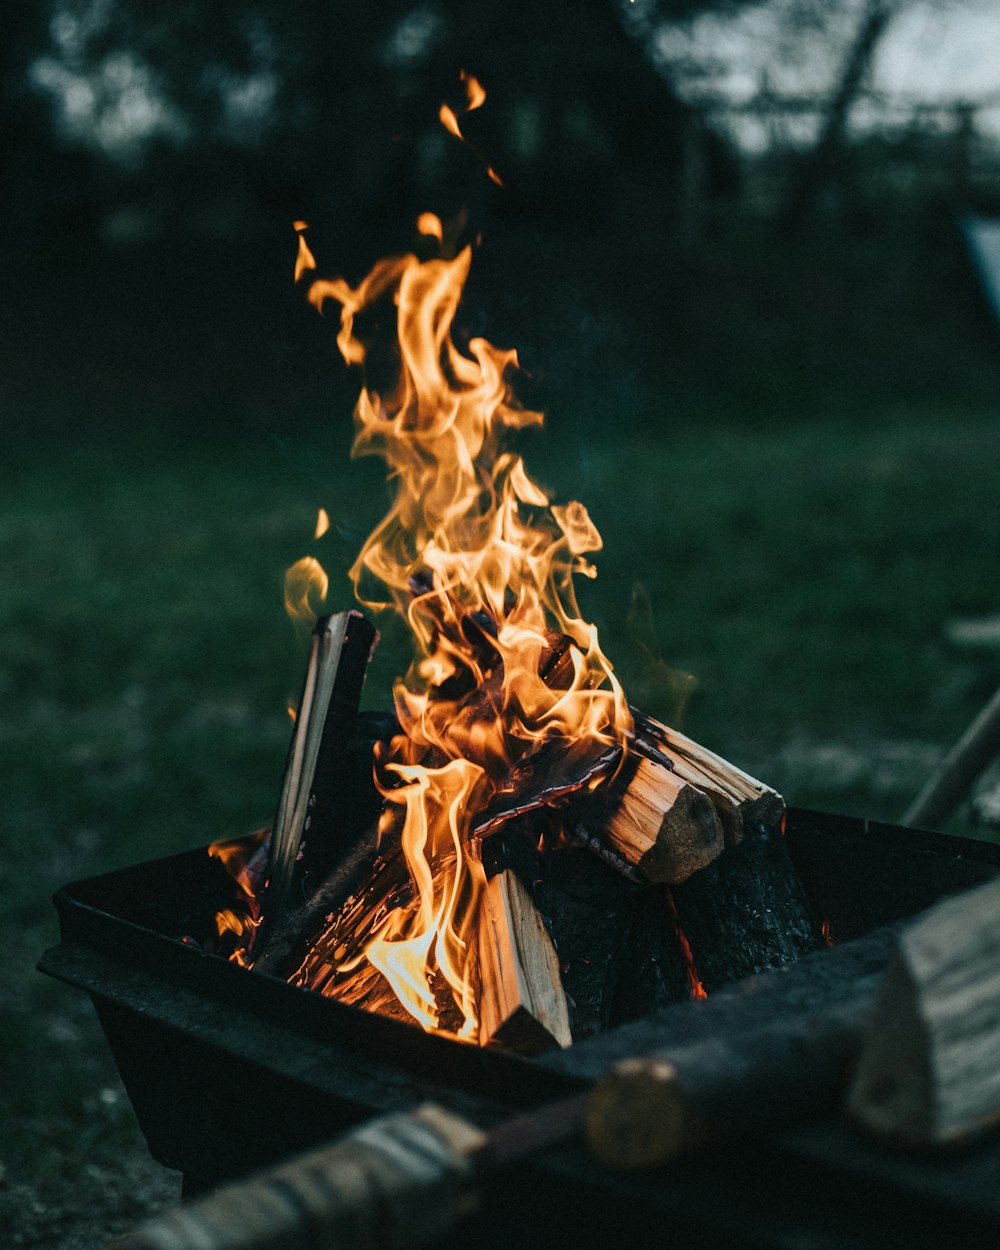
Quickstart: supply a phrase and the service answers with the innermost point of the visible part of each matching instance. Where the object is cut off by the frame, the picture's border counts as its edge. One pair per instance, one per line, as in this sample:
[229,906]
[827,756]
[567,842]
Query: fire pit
[490,896]
[229,1070]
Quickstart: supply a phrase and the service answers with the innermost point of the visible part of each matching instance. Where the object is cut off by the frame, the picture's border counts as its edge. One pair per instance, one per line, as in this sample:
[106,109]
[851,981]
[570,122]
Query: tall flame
[473,557]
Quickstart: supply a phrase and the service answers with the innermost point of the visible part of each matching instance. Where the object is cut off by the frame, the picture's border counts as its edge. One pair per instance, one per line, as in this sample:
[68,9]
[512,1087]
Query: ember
[513,741]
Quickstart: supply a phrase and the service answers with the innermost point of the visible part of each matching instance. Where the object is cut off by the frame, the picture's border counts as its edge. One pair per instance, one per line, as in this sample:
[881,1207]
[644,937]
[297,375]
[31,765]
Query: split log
[617,950]
[740,800]
[929,1072]
[659,823]
[747,911]
[313,782]
[522,1005]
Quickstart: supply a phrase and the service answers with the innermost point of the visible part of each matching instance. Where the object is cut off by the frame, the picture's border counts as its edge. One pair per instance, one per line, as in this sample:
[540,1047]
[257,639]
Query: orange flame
[305,259]
[475,97]
[237,925]
[481,567]
[322,523]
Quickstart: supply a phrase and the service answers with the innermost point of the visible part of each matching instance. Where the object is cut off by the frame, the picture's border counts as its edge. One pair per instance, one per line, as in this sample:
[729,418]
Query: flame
[475,97]
[244,859]
[695,987]
[306,586]
[472,556]
[305,259]
[430,223]
[322,523]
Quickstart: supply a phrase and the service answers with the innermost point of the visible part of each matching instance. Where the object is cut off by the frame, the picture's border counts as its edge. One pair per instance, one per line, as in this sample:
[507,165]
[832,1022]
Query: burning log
[614,937]
[929,1073]
[747,911]
[521,1004]
[314,774]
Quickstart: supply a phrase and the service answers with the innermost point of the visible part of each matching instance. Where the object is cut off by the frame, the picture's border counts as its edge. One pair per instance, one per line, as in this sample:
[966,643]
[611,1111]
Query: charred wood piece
[313,786]
[747,912]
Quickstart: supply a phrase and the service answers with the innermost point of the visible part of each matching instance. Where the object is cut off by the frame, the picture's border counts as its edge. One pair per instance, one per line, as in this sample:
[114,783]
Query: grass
[802,570]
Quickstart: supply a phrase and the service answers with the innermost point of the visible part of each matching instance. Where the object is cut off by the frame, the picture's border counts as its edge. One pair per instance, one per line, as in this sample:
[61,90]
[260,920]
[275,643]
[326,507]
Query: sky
[932,51]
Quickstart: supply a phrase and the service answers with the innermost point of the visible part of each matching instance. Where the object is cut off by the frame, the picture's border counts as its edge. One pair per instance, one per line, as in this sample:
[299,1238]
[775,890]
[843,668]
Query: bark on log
[617,950]
[929,1072]
[747,911]
[522,1005]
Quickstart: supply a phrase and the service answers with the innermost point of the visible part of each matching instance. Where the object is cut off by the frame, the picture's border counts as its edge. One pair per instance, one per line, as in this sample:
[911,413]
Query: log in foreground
[522,1005]
[929,1072]
[402,1180]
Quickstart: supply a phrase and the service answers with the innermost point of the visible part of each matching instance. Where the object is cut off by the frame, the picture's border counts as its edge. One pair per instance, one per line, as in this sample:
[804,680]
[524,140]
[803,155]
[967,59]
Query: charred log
[313,786]
[747,911]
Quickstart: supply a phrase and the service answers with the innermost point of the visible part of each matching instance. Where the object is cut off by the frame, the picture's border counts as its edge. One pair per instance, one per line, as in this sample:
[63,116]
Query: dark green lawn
[804,571]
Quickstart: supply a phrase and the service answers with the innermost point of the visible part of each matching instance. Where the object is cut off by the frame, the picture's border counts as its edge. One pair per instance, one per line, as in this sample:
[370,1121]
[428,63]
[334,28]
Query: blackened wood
[600,924]
[747,911]
[288,940]
[334,820]
[313,783]
[929,1073]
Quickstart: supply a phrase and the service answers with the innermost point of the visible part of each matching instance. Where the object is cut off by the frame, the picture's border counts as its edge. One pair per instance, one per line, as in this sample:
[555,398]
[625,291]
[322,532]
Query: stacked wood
[929,1072]
[522,1004]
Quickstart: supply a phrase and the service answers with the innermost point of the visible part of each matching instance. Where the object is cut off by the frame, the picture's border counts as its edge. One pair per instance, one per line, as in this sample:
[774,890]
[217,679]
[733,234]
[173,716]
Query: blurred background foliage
[729,248]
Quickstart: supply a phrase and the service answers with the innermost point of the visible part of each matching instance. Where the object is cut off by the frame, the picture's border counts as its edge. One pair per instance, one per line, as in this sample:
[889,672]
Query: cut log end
[636,1116]
[522,1005]
[667,828]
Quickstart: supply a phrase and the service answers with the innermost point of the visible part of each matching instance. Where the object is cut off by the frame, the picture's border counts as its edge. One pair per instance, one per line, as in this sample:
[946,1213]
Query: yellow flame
[322,523]
[475,96]
[449,121]
[306,586]
[473,557]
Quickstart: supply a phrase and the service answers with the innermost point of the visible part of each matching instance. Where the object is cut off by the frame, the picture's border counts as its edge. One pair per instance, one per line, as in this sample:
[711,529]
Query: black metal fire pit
[229,1070]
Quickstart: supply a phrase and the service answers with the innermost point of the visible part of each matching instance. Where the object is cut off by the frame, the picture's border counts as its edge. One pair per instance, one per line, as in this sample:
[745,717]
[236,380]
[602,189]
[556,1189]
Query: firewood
[341,648]
[660,823]
[522,1005]
[747,911]
[739,799]
[617,948]
[929,1072]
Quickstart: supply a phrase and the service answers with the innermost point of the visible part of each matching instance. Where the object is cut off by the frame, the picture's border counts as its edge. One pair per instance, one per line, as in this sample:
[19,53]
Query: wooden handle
[398,1181]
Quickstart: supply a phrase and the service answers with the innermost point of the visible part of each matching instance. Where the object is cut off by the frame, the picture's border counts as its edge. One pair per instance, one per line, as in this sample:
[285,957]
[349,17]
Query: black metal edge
[141,957]
[951,846]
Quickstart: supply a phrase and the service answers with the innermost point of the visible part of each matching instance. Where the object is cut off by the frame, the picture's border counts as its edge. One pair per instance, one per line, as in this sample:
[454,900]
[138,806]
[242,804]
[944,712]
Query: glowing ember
[480,566]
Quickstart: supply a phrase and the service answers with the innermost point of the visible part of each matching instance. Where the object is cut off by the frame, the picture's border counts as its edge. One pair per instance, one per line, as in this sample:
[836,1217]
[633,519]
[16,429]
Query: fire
[480,565]
[244,859]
